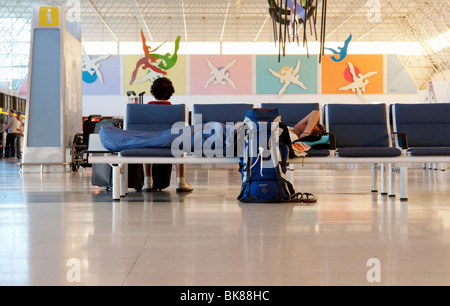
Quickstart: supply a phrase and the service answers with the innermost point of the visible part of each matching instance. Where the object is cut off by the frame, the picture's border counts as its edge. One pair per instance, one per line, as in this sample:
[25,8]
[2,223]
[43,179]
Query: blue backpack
[263,159]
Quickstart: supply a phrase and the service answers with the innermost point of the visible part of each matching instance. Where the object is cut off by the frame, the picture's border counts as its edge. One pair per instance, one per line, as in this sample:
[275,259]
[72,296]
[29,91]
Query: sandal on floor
[308,198]
[297,198]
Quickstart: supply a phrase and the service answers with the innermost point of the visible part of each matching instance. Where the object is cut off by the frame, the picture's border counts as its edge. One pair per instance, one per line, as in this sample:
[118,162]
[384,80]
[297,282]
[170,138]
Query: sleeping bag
[211,139]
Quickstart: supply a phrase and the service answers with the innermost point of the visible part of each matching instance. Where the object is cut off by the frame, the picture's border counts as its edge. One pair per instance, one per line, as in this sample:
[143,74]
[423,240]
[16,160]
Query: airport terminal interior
[70,66]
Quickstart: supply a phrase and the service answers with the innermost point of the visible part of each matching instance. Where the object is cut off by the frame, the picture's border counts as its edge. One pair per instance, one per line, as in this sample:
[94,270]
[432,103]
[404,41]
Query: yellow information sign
[48,16]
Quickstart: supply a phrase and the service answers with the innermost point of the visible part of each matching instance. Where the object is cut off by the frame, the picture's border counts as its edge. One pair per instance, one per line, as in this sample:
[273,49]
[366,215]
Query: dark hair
[162,89]
[11,111]
[319,130]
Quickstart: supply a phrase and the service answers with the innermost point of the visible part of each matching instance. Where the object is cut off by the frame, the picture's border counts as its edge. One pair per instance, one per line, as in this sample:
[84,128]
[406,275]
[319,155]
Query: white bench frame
[387,166]
[120,166]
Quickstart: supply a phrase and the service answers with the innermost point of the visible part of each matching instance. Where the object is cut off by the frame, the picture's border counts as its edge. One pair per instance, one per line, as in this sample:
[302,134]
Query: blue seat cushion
[358,125]
[229,112]
[292,113]
[425,125]
[153,117]
[318,153]
[369,152]
[147,152]
[443,151]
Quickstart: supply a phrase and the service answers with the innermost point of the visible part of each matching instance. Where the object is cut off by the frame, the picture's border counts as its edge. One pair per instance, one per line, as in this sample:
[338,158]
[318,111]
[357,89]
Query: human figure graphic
[157,63]
[288,76]
[342,51]
[169,60]
[92,65]
[151,76]
[359,81]
[220,75]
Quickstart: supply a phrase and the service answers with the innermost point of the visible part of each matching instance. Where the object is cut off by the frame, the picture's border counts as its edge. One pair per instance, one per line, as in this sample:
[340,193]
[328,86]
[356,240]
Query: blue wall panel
[44,126]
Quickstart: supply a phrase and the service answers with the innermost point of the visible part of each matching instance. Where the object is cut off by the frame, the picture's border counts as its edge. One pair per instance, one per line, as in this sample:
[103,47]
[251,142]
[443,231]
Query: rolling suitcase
[102,173]
[161,174]
[102,176]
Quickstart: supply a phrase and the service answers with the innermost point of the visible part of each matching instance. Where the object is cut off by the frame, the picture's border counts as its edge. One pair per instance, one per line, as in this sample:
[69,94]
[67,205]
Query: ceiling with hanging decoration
[423,22]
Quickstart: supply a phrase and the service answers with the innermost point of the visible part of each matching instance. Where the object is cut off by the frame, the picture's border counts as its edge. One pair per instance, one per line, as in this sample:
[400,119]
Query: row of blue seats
[359,130]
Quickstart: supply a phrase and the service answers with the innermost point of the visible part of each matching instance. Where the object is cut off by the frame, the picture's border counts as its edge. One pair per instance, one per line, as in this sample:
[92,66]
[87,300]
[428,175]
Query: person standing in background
[19,137]
[13,127]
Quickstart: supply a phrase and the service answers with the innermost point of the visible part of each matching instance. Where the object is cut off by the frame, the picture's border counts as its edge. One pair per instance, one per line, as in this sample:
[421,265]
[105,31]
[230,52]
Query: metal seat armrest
[403,139]
[332,140]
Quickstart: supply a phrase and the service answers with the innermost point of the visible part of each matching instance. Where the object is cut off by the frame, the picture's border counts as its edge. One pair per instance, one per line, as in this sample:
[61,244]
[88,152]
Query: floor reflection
[207,238]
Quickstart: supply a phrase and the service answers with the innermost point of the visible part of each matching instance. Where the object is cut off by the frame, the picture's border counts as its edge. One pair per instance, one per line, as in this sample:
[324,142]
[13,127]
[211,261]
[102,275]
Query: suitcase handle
[141,97]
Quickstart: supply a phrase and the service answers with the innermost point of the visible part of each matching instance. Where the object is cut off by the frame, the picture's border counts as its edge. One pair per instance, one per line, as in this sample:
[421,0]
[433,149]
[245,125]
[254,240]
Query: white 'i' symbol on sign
[49,16]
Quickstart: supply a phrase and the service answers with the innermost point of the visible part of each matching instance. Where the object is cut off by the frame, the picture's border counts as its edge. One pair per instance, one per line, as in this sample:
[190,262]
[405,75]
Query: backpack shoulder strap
[286,139]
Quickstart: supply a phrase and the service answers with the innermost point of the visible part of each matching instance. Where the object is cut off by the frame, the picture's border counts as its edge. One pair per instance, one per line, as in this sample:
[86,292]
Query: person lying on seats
[308,126]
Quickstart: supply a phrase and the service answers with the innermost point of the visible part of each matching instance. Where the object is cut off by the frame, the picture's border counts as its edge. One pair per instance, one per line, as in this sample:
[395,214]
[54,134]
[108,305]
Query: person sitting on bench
[162,90]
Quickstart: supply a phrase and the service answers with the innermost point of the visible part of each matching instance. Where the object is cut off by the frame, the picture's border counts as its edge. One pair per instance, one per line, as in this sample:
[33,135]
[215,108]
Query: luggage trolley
[81,142]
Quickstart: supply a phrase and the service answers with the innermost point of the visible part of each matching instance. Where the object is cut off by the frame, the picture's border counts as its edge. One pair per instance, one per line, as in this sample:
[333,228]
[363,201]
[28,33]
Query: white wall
[115,105]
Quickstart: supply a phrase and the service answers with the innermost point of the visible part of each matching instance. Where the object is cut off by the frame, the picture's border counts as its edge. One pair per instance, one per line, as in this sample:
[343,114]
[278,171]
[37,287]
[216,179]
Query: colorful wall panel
[249,75]
[101,75]
[337,77]
[221,74]
[294,74]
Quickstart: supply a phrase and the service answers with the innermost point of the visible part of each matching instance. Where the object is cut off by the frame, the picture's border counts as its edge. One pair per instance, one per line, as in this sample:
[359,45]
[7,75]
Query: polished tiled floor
[207,238]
